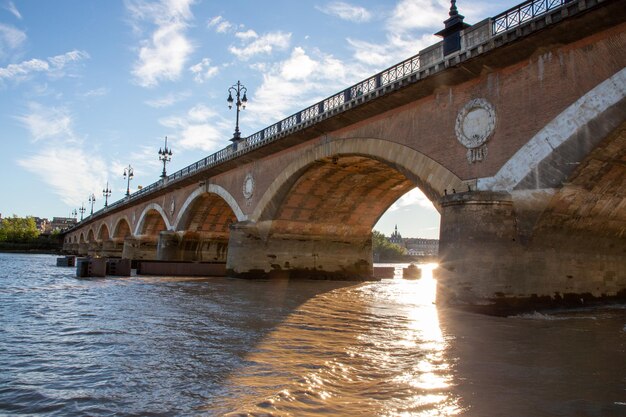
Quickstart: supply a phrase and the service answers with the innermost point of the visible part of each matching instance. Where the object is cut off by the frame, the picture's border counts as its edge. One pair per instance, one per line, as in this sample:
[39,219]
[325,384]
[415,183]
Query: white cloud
[53,66]
[201,128]
[396,48]
[11,8]
[265,44]
[45,122]
[98,92]
[295,83]
[55,164]
[203,70]
[248,34]
[409,28]
[61,156]
[409,15]
[413,198]
[346,11]
[168,99]
[164,55]
[220,24]
[10,39]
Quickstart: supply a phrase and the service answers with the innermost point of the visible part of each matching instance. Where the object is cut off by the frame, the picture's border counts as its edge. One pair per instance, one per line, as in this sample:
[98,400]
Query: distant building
[43,225]
[422,247]
[415,246]
[61,223]
[396,237]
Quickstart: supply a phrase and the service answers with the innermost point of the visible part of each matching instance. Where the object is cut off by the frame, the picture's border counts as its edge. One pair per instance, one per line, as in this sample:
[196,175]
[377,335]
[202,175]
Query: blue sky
[90,86]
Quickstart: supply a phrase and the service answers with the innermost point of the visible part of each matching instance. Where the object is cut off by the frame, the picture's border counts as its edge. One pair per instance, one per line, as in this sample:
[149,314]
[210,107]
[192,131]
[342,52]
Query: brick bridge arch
[419,169]
[152,220]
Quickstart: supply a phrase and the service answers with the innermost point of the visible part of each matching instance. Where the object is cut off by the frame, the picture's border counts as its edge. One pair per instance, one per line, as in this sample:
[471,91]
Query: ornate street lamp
[82,210]
[238,89]
[92,200]
[128,174]
[106,193]
[165,155]
[74,214]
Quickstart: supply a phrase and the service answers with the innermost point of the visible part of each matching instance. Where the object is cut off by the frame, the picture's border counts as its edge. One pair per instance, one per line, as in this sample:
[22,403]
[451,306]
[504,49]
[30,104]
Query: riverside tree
[18,229]
[386,250]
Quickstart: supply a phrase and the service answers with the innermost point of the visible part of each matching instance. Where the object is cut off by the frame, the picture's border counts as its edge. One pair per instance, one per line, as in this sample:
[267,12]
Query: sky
[88,87]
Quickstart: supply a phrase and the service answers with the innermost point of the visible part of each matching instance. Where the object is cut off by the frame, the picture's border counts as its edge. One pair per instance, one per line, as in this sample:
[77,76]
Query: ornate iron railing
[326,108]
[523,13]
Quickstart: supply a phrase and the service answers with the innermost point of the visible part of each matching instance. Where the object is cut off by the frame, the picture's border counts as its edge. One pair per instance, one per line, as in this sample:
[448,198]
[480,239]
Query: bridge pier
[488,263]
[191,246]
[112,248]
[142,247]
[253,254]
[83,249]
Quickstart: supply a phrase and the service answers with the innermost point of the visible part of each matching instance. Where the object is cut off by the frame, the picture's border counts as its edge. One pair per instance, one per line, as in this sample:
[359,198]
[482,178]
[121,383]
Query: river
[158,346]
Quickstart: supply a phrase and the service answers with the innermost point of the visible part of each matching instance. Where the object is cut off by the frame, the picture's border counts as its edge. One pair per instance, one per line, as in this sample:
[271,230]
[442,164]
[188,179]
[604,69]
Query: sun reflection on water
[368,349]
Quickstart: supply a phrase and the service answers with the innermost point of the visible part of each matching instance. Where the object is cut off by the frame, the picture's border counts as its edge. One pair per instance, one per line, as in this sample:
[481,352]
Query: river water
[155,346]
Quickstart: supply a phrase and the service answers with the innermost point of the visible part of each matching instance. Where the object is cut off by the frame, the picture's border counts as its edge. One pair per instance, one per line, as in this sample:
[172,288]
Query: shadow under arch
[424,172]
[143,223]
[103,232]
[201,229]
[183,213]
[91,236]
[121,228]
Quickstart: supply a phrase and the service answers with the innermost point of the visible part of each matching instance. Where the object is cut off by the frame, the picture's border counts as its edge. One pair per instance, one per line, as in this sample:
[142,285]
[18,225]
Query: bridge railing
[524,12]
[507,20]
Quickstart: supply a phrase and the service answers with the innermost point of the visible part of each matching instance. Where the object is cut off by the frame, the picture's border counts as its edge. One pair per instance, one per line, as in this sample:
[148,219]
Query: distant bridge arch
[103,232]
[203,196]
[152,220]
[121,229]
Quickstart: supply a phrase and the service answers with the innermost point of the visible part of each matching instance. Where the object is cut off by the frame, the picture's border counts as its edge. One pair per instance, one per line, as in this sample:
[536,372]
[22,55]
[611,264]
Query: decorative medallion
[248,186]
[474,125]
[172,206]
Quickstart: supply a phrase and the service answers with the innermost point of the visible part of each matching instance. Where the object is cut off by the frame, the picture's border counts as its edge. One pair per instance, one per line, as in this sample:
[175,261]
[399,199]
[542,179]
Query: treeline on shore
[20,234]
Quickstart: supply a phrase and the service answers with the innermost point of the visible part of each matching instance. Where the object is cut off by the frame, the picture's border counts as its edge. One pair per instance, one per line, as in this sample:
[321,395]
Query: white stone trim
[213,189]
[555,133]
[152,206]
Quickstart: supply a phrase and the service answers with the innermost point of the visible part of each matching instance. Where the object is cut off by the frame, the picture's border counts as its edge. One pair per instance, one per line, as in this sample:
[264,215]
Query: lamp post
[74,214]
[106,193]
[238,89]
[82,210]
[165,155]
[128,174]
[92,200]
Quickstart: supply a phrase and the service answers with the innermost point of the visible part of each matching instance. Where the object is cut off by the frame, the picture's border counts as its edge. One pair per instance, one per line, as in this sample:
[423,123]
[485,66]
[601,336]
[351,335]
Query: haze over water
[158,346]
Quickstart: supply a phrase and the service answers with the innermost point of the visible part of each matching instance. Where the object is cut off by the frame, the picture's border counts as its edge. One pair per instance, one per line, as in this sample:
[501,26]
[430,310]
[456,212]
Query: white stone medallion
[248,186]
[172,206]
[475,124]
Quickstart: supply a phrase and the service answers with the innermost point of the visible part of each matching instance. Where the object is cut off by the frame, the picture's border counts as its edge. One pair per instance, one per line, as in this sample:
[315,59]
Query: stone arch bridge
[518,137]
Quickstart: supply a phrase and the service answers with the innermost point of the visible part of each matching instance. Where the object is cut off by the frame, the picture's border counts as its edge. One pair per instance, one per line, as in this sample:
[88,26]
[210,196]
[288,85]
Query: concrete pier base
[137,248]
[252,255]
[189,246]
[487,264]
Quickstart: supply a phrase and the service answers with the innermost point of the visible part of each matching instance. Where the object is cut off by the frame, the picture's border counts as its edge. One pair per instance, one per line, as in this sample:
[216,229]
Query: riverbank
[42,246]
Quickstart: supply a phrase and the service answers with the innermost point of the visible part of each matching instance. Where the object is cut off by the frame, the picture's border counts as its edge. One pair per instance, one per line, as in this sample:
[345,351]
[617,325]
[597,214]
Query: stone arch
[91,237]
[550,157]
[103,232]
[121,228]
[152,217]
[211,189]
[424,172]
[81,239]
[209,209]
